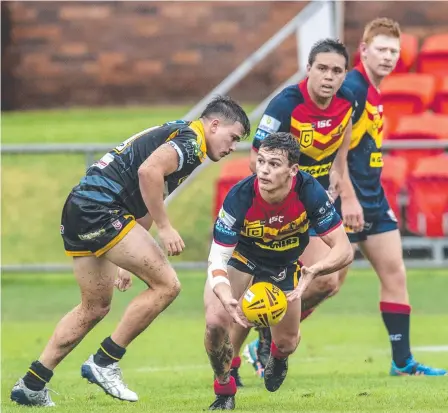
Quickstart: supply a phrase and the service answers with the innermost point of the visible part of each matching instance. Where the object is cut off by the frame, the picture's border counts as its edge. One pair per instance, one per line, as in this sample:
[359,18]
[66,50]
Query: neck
[374,80]
[321,103]
[277,195]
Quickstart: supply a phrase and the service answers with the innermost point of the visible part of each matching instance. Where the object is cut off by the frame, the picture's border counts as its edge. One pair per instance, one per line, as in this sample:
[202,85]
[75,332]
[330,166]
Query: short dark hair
[283,141]
[328,46]
[228,109]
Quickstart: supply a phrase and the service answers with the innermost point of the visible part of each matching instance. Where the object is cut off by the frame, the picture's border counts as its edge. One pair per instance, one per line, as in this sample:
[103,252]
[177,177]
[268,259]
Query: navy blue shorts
[384,222]
[284,277]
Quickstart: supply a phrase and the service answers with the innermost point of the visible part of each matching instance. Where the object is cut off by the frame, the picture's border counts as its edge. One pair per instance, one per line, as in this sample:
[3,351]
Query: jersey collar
[198,129]
[285,201]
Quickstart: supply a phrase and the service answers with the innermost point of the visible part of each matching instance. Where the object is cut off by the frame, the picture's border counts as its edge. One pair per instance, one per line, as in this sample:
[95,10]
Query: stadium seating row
[426,190]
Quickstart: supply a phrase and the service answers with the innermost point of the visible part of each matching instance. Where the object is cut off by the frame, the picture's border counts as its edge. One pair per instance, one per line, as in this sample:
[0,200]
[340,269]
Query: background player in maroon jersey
[379,238]
[261,230]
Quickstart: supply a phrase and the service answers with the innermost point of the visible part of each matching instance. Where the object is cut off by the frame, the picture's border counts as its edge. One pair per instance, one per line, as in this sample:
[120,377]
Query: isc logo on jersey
[322,124]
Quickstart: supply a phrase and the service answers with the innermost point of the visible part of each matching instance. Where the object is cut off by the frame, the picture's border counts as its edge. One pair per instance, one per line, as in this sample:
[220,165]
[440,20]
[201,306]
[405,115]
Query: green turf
[34,187]
[341,365]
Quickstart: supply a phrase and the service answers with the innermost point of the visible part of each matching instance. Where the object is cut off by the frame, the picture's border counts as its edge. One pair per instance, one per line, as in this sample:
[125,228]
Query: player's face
[273,169]
[223,138]
[381,55]
[326,74]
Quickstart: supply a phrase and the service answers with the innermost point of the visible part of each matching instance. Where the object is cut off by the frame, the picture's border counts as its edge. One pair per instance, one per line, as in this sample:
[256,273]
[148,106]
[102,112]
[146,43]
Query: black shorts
[89,228]
[284,277]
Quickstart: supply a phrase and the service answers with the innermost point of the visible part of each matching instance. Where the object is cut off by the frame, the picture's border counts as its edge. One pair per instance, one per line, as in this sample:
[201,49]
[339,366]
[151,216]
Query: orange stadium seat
[407,93]
[231,173]
[393,179]
[389,126]
[408,56]
[433,56]
[427,212]
[440,104]
[423,126]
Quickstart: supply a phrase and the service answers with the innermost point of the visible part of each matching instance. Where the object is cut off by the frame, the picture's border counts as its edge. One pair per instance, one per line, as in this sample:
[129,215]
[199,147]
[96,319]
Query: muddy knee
[95,312]
[216,333]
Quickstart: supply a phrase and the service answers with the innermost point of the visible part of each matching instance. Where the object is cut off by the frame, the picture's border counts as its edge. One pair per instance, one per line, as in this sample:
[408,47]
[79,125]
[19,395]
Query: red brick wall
[98,53]
[90,53]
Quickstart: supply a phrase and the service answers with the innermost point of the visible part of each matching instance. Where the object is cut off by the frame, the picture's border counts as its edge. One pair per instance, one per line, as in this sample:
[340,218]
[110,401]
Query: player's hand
[352,214]
[307,275]
[171,240]
[124,280]
[232,306]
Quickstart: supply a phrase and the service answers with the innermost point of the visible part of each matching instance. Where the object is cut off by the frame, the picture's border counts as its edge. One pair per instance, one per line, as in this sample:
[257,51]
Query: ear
[363,49]
[214,125]
[308,68]
[294,170]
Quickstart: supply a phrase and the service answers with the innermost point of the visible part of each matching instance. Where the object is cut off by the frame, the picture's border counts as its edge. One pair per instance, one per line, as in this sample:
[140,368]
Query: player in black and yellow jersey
[317,112]
[379,238]
[105,224]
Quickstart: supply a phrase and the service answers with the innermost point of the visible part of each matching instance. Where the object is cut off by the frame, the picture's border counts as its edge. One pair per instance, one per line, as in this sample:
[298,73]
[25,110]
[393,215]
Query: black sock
[37,376]
[396,318]
[108,353]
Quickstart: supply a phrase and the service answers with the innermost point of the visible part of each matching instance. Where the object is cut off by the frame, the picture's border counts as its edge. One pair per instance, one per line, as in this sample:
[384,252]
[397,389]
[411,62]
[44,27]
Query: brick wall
[91,53]
[98,53]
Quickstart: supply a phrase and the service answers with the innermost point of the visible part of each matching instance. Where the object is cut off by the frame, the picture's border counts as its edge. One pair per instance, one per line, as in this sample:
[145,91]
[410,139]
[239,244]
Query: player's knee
[172,289]
[95,313]
[215,332]
[287,345]
[329,284]
[394,280]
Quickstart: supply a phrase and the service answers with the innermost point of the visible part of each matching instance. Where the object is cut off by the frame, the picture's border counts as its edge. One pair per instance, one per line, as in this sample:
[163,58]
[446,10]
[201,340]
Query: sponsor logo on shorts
[279,277]
[92,235]
[392,215]
[117,225]
[376,160]
[61,229]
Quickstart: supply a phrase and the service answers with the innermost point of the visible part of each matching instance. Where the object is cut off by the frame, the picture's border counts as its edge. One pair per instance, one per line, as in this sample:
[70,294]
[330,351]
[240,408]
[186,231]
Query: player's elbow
[147,173]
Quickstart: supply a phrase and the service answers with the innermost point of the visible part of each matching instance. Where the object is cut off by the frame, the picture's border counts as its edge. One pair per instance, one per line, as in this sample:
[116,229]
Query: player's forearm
[223,292]
[346,187]
[340,255]
[152,185]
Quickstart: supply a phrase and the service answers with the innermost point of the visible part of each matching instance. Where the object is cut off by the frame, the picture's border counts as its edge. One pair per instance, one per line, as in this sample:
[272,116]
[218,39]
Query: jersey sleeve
[358,90]
[188,150]
[277,117]
[320,210]
[230,219]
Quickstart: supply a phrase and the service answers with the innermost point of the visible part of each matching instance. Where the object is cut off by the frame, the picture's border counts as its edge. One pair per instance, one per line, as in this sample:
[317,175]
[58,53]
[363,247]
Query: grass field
[34,187]
[341,365]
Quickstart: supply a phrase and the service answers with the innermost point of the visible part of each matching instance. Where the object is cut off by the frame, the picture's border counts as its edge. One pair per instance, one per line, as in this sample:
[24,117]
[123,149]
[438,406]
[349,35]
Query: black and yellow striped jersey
[113,180]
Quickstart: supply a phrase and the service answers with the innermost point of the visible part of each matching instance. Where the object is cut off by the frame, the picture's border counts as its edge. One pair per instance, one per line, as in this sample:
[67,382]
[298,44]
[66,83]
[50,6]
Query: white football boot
[26,397]
[109,378]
